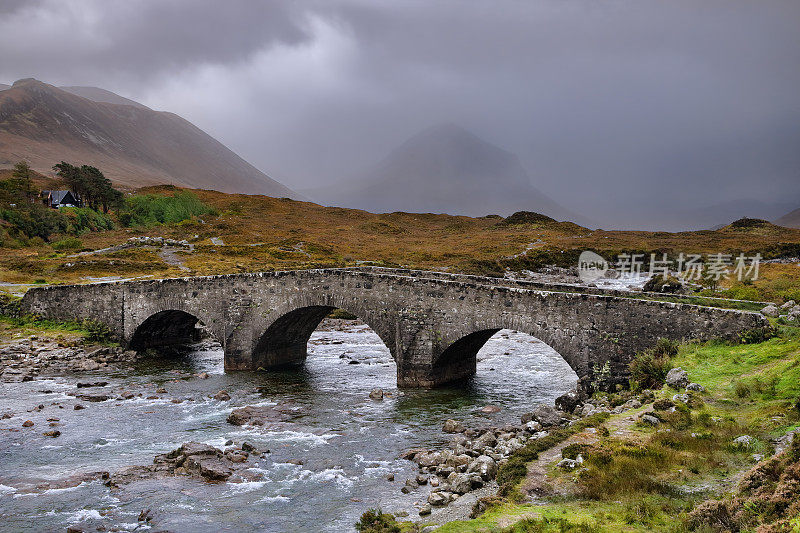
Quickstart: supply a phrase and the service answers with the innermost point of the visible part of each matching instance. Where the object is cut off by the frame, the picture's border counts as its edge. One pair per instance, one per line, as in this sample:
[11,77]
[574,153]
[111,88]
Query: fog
[634,113]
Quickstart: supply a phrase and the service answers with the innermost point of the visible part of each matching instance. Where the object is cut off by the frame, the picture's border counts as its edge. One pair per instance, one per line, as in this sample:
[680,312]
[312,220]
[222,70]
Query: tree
[95,190]
[100,190]
[73,178]
[21,181]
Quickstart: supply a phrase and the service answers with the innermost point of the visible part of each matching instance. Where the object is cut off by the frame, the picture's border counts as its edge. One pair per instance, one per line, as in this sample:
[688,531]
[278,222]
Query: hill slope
[132,144]
[96,94]
[790,220]
[444,169]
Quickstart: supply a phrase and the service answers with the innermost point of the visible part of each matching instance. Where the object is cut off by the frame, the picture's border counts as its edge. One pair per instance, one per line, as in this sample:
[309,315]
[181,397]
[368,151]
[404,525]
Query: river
[327,465]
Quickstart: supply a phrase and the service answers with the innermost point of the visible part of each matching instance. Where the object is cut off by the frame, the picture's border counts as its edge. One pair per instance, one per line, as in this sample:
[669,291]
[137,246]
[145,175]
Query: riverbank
[716,457]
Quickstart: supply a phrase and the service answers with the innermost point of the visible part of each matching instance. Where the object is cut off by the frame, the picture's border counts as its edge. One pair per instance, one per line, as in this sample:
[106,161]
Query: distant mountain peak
[445,168]
[450,132]
[27,81]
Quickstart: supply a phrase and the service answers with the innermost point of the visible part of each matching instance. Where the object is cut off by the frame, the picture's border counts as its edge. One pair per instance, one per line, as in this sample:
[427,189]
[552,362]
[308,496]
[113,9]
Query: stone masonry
[433,324]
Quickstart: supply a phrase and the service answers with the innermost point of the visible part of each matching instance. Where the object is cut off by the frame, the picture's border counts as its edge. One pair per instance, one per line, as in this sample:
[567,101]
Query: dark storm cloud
[141,39]
[618,108]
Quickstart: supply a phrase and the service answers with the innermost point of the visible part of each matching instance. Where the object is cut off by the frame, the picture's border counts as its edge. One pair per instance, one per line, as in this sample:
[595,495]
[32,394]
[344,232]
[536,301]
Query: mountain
[3,86]
[96,94]
[133,145]
[790,220]
[444,169]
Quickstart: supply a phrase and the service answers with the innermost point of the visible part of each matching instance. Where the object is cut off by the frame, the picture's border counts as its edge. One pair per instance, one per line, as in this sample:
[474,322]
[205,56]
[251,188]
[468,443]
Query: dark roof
[56,197]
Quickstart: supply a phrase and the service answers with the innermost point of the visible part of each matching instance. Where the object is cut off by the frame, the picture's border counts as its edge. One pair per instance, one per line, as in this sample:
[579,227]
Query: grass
[88,330]
[349,237]
[667,478]
[515,469]
[149,210]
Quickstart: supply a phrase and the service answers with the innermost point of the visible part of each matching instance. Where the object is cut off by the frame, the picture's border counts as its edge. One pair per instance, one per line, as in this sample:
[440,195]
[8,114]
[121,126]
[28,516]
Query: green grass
[148,210]
[769,370]
[650,479]
[90,330]
[569,516]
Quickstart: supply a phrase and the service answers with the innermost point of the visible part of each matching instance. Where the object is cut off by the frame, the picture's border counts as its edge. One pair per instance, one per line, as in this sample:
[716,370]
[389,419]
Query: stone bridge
[433,323]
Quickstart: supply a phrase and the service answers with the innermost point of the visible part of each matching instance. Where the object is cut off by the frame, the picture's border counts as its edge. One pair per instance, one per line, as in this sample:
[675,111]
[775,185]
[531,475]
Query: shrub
[34,221]
[649,371]
[741,389]
[83,219]
[68,244]
[649,368]
[767,496]
[641,511]
[758,335]
[742,292]
[616,468]
[663,404]
[96,331]
[665,348]
[150,210]
[376,521]
[573,450]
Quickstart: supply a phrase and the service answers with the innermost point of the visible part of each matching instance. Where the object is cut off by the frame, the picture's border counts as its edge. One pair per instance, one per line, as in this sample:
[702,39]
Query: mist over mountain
[710,216]
[444,169]
[133,145]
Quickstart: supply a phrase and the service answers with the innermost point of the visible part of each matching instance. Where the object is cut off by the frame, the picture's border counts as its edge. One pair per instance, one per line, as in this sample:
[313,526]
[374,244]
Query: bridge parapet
[433,323]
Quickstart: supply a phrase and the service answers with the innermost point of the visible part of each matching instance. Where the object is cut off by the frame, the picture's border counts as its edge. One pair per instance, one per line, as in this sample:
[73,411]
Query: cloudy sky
[617,108]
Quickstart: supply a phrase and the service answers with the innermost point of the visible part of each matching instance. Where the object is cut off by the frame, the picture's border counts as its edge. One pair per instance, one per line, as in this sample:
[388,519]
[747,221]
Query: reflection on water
[345,442]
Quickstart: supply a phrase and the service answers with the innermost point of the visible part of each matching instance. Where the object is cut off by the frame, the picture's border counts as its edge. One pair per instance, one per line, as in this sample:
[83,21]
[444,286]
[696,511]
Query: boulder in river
[568,402]
[211,468]
[93,397]
[257,415]
[92,384]
[544,414]
[376,394]
[453,426]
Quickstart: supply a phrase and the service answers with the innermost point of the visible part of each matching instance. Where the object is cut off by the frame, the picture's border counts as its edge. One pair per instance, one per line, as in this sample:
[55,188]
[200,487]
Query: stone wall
[433,325]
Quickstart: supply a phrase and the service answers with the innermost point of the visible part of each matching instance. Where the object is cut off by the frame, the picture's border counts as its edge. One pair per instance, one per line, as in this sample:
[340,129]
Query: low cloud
[618,109]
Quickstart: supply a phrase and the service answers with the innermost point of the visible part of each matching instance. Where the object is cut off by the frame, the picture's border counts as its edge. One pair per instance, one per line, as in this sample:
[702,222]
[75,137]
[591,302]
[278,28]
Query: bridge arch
[457,360]
[170,327]
[284,341]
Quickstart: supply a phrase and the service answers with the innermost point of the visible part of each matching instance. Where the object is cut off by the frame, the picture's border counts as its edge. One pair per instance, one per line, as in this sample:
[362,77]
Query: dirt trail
[536,482]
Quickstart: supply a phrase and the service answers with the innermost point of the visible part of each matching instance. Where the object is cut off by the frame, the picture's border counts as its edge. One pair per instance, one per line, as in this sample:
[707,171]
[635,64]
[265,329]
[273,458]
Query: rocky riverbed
[117,441]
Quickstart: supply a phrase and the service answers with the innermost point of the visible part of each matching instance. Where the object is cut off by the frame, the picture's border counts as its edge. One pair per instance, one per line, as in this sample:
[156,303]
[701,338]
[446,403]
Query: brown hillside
[790,220]
[133,146]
